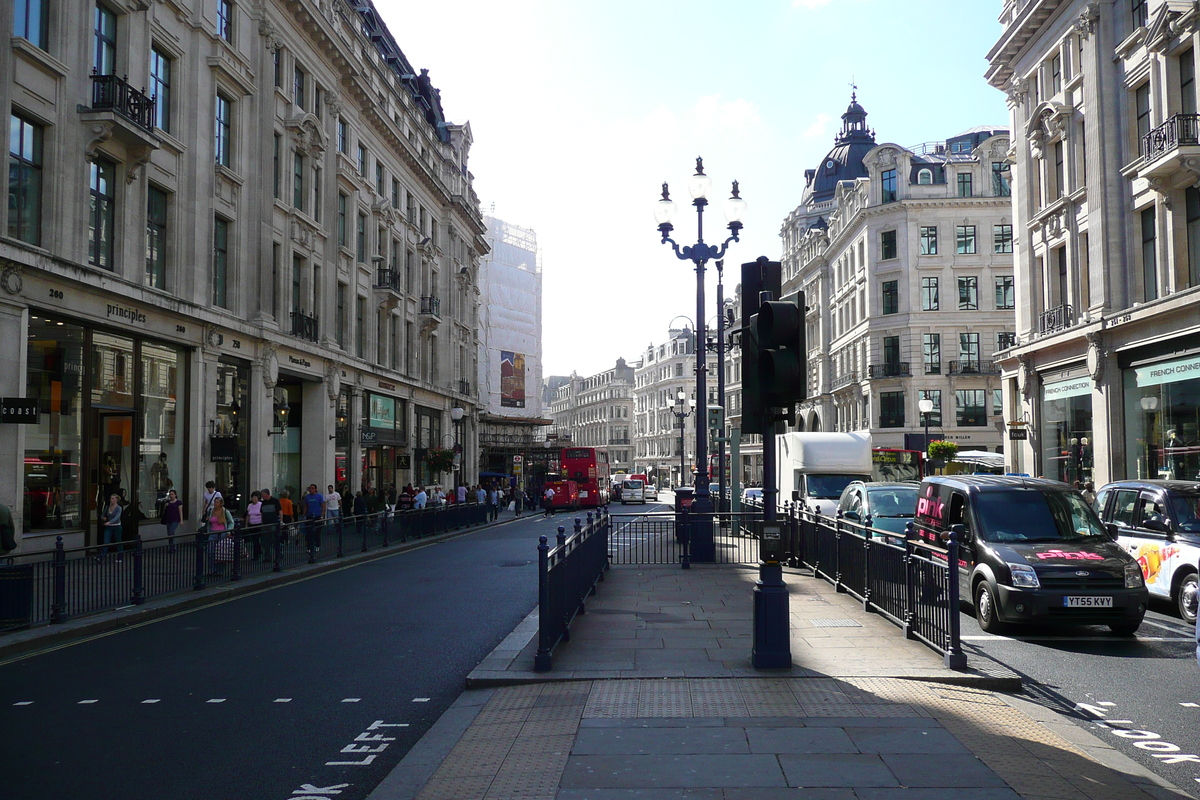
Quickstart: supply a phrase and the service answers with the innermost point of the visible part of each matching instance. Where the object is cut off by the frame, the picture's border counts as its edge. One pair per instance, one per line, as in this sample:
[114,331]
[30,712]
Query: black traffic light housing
[761,275]
[781,352]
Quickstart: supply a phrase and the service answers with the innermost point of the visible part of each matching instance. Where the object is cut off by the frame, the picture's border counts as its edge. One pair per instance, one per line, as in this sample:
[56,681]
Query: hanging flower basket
[440,459]
[940,450]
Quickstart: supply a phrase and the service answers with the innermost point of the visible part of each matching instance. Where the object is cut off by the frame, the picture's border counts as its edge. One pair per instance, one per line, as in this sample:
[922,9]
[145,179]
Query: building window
[1187,82]
[343,136]
[891,355]
[1005,294]
[276,169]
[1192,201]
[1056,74]
[1002,239]
[1149,256]
[964,184]
[156,238]
[887,245]
[968,294]
[360,239]
[1060,175]
[274,298]
[297,283]
[24,180]
[316,204]
[924,177]
[341,315]
[929,240]
[1140,10]
[929,294]
[362,161]
[968,351]
[888,185]
[931,353]
[965,239]
[225,20]
[395,194]
[277,67]
[104,32]
[970,407]
[298,87]
[342,232]
[1141,101]
[891,409]
[29,21]
[160,88]
[298,181]
[224,122]
[891,297]
[101,214]
[1005,340]
[221,263]
[380,177]
[934,416]
[1001,186]
[360,326]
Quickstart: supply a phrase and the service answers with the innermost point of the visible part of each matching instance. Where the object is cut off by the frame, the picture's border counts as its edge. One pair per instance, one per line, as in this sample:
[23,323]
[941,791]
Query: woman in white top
[333,503]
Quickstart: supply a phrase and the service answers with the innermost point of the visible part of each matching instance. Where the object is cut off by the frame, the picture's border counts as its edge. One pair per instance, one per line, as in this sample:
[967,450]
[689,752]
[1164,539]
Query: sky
[580,110]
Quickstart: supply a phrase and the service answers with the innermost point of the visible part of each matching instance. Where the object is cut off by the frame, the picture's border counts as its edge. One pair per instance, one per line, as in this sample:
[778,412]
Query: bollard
[955,657]
[685,538]
[367,523]
[542,661]
[340,531]
[237,551]
[578,526]
[910,589]
[837,552]
[139,591]
[278,548]
[562,536]
[201,549]
[59,608]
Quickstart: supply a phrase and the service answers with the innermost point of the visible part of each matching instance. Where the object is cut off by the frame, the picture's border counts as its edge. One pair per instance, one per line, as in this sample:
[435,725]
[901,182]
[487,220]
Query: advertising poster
[512,379]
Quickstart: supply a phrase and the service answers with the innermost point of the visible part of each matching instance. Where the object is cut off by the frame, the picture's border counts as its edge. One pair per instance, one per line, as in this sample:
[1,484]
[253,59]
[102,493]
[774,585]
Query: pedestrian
[1089,493]
[218,523]
[518,501]
[111,519]
[404,501]
[210,493]
[172,516]
[287,510]
[333,503]
[252,520]
[480,495]
[439,497]
[461,493]
[421,498]
[360,504]
[272,515]
[312,504]
[390,497]
[493,503]
[548,500]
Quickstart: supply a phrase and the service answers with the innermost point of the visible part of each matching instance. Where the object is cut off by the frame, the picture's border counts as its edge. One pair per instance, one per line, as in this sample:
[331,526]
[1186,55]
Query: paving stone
[928,739]
[642,794]
[836,769]
[952,771]
[674,771]
[799,740]
[937,794]
[790,794]
[658,740]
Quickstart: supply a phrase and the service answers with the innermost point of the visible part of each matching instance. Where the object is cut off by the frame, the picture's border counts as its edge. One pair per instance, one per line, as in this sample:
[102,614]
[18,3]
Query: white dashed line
[147,702]
[420,699]
[283,699]
[216,700]
[23,703]
[352,700]
[87,702]
[1106,703]
[1190,705]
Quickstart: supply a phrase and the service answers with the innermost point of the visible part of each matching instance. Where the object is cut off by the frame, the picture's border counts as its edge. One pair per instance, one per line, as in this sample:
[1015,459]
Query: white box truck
[814,467]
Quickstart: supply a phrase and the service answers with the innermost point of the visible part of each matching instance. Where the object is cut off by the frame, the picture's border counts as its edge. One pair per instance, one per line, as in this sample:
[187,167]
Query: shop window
[1066,429]
[1162,431]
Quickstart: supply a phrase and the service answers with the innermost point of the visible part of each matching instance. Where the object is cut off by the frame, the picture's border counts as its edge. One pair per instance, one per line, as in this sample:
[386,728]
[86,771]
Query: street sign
[1018,434]
[518,459]
[19,411]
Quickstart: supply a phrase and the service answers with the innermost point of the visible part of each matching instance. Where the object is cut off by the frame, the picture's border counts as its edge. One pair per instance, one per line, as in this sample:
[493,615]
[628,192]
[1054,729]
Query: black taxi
[1033,551]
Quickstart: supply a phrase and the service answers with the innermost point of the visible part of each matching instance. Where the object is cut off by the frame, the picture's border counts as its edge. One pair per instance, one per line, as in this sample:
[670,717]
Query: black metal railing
[665,538]
[844,379]
[387,279]
[973,368]
[72,582]
[464,387]
[113,93]
[305,326]
[1056,319]
[933,367]
[1181,129]
[431,305]
[567,575]
[889,369]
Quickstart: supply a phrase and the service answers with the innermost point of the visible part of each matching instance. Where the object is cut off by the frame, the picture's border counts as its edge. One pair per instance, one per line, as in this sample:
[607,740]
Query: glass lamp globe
[735,210]
[664,211]
[925,404]
[699,185]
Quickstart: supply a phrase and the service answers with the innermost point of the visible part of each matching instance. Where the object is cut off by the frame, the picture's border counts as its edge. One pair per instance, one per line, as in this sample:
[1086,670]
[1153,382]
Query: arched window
[925,177]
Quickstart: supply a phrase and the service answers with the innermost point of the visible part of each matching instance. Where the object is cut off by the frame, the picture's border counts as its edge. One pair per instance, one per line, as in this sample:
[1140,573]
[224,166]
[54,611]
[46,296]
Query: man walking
[313,506]
[272,514]
[548,500]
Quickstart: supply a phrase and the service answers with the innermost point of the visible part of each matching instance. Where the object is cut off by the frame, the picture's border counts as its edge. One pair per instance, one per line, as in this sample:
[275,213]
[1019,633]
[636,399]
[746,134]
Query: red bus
[588,468]
[890,464]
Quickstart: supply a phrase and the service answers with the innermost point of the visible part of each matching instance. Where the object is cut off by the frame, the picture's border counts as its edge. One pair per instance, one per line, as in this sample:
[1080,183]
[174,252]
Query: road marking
[351,699]
[283,699]
[1190,705]
[1107,703]
[420,699]
[147,702]
[216,700]
[87,702]
[23,703]
[1171,628]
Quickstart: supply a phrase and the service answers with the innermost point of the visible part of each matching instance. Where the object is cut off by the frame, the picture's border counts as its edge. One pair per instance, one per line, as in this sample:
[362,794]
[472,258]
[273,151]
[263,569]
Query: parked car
[1033,551]
[883,505]
[650,492]
[1158,522]
[752,496]
[632,491]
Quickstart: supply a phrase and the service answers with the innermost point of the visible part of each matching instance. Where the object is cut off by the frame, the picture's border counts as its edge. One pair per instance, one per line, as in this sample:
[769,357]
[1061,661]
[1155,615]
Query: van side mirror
[1112,529]
[851,515]
[795,495]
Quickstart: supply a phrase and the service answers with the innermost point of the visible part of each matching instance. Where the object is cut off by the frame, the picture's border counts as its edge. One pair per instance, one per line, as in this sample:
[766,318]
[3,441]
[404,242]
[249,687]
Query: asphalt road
[1140,694]
[323,682]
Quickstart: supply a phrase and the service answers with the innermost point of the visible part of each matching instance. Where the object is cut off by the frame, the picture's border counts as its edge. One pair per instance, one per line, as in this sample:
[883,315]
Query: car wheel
[1187,598]
[1125,628]
[985,609]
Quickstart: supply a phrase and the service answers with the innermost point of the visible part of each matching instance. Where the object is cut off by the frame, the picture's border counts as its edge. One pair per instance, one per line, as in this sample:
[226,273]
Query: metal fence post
[201,550]
[910,588]
[237,551]
[866,570]
[340,529]
[278,548]
[837,552]
[139,591]
[542,661]
[682,521]
[955,657]
[387,523]
[367,523]
[59,607]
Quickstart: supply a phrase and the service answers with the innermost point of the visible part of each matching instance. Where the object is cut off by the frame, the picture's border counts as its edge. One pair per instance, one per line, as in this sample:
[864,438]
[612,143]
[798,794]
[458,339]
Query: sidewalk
[654,697]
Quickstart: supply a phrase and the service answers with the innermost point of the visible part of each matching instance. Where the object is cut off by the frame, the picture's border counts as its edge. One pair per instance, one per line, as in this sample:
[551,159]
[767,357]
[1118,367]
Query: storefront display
[1066,428]
[1162,419]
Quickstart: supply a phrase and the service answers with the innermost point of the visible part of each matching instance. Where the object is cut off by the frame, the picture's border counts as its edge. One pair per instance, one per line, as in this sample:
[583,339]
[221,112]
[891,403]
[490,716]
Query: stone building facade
[597,411]
[1104,379]
[241,245]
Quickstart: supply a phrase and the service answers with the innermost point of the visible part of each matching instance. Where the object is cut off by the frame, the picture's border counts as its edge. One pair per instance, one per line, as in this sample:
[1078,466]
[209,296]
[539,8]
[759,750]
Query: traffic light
[761,275]
[716,418]
[782,353]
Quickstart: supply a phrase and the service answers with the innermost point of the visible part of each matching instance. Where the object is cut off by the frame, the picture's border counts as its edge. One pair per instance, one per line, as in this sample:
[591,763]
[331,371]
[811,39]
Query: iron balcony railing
[1181,129]
[113,93]
[464,387]
[1056,319]
[388,279]
[973,368]
[844,380]
[933,367]
[431,305]
[305,326]
[889,369]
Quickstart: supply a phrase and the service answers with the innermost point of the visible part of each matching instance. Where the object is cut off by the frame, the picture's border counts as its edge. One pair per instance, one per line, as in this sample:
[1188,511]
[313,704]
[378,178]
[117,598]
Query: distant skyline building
[597,411]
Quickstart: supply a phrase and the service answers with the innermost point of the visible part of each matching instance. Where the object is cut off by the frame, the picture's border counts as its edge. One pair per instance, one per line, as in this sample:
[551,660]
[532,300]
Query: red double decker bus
[891,464]
[588,468]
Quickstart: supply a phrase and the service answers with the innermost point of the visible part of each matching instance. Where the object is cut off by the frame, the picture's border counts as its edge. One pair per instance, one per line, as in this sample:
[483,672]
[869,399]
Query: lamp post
[456,415]
[700,254]
[926,407]
[685,409]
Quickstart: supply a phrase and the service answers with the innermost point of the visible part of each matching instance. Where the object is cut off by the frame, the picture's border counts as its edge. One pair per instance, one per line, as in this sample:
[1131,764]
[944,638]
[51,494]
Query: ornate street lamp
[682,409]
[700,253]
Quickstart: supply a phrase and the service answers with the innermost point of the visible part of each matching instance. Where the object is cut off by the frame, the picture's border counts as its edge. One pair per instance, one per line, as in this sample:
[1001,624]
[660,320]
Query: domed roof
[845,161]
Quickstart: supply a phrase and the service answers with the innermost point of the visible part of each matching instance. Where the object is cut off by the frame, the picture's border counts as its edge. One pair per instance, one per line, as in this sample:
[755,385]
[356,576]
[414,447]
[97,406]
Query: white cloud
[819,128]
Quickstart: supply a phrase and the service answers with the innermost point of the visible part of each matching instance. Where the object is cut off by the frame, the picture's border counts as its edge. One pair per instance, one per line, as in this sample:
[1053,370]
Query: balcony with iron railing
[843,380]
[305,326]
[1167,149]
[889,369]
[431,306]
[464,387]
[1056,319]
[387,279]
[933,367]
[974,367]
[113,93]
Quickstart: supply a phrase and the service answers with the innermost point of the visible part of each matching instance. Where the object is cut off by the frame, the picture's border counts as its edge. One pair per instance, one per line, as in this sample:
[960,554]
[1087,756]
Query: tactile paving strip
[834,623]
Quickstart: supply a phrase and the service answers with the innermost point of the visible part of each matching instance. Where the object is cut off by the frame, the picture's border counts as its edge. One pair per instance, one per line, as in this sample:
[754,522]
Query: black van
[1033,550]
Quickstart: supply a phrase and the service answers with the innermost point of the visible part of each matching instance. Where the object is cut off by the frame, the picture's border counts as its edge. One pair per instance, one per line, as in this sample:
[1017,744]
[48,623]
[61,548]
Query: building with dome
[905,258]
